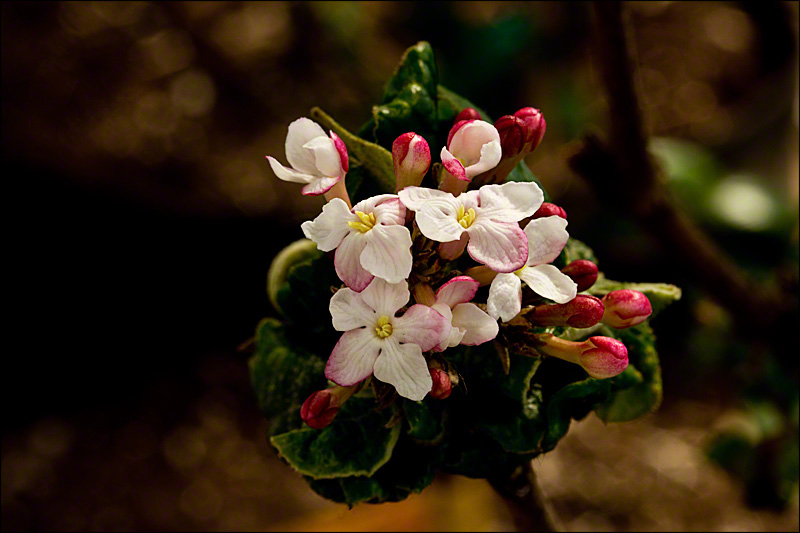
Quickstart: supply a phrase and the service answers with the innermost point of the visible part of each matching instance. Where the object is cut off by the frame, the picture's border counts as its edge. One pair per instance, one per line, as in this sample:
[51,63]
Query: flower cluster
[402,304]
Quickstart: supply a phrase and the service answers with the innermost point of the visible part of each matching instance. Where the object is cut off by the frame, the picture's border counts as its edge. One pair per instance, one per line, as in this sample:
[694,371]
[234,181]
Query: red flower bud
[319,410]
[547,209]
[583,272]
[411,157]
[442,387]
[513,134]
[583,311]
[601,357]
[625,308]
[535,125]
[467,113]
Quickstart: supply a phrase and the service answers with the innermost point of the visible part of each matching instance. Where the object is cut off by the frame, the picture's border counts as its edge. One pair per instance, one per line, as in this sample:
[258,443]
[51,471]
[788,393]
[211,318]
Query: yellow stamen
[517,272]
[366,224]
[465,218]
[384,328]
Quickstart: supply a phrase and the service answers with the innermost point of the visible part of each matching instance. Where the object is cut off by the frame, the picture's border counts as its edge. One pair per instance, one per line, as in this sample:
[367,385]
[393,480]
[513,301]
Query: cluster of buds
[504,227]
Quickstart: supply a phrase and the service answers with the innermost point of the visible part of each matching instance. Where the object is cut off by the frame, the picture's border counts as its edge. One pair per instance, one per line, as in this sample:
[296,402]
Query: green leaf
[304,296]
[635,399]
[451,104]
[573,401]
[296,252]
[506,422]
[356,443]
[424,418]
[375,159]
[659,294]
[477,455]
[283,375]
[410,470]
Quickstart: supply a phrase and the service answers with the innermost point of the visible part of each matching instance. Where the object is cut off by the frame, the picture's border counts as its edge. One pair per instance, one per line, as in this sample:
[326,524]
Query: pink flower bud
[467,113]
[625,308]
[319,410]
[547,209]
[601,357]
[535,125]
[583,311]
[583,272]
[513,134]
[442,387]
[411,156]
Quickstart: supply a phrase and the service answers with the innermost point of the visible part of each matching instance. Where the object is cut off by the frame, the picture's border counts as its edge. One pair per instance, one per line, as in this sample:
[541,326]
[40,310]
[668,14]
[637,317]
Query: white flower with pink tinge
[316,160]
[473,147]
[370,239]
[470,324]
[487,217]
[378,342]
[546,238]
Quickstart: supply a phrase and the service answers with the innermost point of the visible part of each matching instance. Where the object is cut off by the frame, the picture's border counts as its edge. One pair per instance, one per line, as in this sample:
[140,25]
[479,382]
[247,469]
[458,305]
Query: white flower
[470,324]
[546,238]
[473,147]
[370,240]
[377,342]
[317,160]
[488,217]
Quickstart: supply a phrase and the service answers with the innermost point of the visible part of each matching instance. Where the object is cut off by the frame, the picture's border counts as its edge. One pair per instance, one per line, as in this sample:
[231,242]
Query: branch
[523,494]
[624,175]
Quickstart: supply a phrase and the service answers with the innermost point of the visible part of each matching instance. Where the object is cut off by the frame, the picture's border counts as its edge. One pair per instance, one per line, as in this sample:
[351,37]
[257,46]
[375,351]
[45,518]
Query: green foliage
[511,404]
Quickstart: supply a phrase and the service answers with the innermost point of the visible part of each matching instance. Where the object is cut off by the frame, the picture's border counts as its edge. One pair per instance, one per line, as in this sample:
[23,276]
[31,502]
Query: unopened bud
[513,135]
[583,272]
[625,308]
[467,113]
[535,126]
[547,210]
[583,311]
[411,156]
[442,387]
[319,410]
[601,357]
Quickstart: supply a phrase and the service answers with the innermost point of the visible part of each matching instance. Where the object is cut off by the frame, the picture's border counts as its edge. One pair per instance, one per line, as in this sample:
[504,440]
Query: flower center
[465,218]
[518,272]
[366,224]
[383,329]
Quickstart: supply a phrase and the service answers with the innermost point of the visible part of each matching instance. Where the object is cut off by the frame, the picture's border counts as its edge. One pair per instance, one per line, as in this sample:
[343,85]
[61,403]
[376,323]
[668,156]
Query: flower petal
[404,366]
[502,246]
[479,327]
[319,186]
[386,298]
[491,153]
[415,198]
[368,205]
[347,262]
[546,238]
[353,357]
[391,211]
[421,325]
[550,282]
[330,226]
[300,132]
[326,156]
[289,174]
[342,149]
[458,290]
[388,253]
[510,202]
[467,143]
[453,165]
[349,311]
[454,337]
[505,297]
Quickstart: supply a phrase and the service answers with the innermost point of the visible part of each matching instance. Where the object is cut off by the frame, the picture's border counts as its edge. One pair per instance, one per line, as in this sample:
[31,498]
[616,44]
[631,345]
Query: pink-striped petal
[388,253]
[289,174]
[510,202]
[326,156]
[347,262]
[319,186]
[546,238]
[353,358]
[453,165]
[491,154]
[421,325]
[349,311]
[404,367]
[386,298]
[479,327]
[330,226]
[502,246]
[300,132]
[458,290]
[344,159]
[390,211]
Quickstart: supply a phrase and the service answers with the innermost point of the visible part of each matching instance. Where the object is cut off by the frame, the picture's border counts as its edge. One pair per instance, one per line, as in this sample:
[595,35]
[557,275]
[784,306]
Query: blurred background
[144,218]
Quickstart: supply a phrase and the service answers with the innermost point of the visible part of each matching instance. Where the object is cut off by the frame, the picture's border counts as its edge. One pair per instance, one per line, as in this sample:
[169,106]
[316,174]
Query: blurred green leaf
[303,297]
[424,418]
